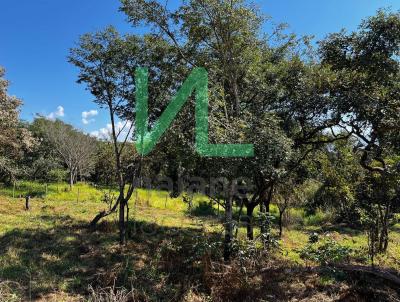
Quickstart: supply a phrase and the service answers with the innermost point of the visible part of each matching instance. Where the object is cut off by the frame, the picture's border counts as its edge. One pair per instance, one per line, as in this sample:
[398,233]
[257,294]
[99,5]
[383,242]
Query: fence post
[27,199]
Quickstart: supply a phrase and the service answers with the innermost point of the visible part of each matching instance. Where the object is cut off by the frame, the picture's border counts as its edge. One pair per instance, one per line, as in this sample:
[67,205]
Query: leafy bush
[318,218]
[204,208]
[329,253]
[296,216]
[205,245]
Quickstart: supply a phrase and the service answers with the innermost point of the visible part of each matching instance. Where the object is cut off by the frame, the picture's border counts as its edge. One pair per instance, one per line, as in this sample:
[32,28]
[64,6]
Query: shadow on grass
[395,228]
[342,229]
[160,262]
[203,209]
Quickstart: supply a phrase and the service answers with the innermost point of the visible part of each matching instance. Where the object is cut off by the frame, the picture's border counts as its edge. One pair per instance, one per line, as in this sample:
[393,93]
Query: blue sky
[35,37]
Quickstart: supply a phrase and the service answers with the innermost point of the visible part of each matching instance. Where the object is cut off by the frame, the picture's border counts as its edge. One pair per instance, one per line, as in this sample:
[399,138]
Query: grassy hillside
[47,254]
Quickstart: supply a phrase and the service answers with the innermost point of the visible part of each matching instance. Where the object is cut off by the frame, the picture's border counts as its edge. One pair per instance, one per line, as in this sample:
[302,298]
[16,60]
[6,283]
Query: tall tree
[106,62]
[15,139]
[224,37]
[366,95]
[43,160]
[75,149]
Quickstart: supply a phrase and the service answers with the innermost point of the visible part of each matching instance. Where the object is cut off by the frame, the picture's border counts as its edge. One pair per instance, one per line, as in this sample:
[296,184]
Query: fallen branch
[388,275]
[102,214]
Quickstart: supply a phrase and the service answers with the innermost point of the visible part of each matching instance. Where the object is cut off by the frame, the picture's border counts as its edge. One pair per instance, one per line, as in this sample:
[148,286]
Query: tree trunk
[266,200]
[262,211]
[250,230]
[127,220]
[228,228]
[385,229]
[96,219]
[384,239]
[280,222]
[71,179]
[102,214]
[27,200]
[383,233]
[122,225]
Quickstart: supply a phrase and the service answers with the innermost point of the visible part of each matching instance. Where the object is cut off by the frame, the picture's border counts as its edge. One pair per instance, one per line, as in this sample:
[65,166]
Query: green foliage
[365,90]
[249,253]
[23,188]
[318,218]
[329,253]
[165,246]
[312,121]
[55,191]
[43,161]
[338,169]
[205,246]
[377,196]
[104,168]
[265,222]
[15,139]
[57,175]
[204,208]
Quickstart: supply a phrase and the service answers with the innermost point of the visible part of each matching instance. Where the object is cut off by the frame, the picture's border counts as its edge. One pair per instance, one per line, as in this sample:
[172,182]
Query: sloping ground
[285,283]
[48,251]
[47,254]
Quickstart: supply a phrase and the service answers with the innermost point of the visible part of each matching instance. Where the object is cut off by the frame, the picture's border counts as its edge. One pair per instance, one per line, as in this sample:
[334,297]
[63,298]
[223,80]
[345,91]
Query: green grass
[48,249]
[61,191]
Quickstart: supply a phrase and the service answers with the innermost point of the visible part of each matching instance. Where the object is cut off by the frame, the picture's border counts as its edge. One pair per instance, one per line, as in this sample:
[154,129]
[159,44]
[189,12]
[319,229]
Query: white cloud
[87,116]
[58,113]
[121,128]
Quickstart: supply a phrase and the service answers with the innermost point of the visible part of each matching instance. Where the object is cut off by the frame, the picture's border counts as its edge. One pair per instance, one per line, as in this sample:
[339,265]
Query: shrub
[329,253]
[203,209]
[318,218]
[295,216]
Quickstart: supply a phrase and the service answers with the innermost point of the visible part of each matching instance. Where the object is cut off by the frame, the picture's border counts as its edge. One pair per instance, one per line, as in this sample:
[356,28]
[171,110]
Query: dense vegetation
[314,215]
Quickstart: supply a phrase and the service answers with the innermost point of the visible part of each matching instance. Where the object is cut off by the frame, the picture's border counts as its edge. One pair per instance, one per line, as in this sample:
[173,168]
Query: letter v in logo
[147,139]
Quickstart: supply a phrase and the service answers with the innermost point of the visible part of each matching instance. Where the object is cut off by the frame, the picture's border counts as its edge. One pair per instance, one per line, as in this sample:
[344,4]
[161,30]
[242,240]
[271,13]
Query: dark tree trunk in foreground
[102,214]
[268,200]
[262,211]
[122,225]
[27,202]
[281,212]
[280,225]
[265,203]
[250,228]
[228,228]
